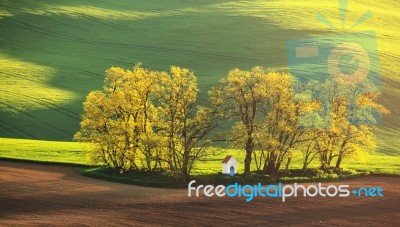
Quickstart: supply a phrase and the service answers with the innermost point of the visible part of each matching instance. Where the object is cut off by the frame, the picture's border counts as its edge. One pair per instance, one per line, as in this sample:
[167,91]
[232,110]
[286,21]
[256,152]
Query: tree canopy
[146,119]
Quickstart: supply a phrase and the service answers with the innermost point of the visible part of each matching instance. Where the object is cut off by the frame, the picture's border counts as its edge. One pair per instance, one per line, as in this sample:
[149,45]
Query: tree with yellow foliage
[266,114]
[349,124]
[118,119]
[281,132]
[183,125]
[146,119]
[240,96]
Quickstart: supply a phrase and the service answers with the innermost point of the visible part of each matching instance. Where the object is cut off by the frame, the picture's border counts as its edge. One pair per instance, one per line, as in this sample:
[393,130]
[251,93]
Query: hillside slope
[53,53]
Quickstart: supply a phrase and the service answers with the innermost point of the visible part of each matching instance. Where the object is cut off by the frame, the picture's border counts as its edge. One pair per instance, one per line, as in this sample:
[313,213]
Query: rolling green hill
[53,53]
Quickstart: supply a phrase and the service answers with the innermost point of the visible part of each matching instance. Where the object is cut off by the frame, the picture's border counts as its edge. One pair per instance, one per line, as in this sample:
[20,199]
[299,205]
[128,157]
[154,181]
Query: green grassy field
[53,53]
[74,153]
[377,163]
[44,151]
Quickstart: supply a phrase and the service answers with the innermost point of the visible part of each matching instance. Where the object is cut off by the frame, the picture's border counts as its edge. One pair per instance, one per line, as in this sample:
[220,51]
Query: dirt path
[40,195]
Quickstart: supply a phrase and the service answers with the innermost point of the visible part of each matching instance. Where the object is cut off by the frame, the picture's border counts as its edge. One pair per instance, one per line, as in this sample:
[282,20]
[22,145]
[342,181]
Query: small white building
[229,165]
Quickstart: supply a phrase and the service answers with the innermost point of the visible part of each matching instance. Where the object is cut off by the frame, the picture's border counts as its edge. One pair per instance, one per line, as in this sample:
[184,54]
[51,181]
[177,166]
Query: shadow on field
[79,42]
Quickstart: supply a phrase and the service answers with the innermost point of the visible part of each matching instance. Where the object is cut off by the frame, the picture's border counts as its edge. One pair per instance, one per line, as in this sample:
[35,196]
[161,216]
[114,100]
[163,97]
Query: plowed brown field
[33,194]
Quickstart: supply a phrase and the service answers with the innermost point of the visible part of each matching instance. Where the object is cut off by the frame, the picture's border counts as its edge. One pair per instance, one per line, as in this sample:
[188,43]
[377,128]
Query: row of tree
[145,119]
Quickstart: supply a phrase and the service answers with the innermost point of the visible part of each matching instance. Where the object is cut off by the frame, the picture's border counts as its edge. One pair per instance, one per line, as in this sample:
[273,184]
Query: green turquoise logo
[347,60]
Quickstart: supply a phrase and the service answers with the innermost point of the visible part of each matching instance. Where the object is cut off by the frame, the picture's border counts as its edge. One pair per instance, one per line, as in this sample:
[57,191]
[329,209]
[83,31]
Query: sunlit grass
[46,151]
[108,14]
[5,13]
[72,152]
[22,77]
[375,163]
[388,141]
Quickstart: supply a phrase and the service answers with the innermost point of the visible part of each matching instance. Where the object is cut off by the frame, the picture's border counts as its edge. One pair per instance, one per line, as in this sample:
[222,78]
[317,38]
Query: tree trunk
[339,160]
[247,162]
[287,166]
[257,161]
[184,171]
[249,152]
[325,160]
[325,166]
[185,165]
[274,172]
[270,164]
[272,168]
[304,169]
